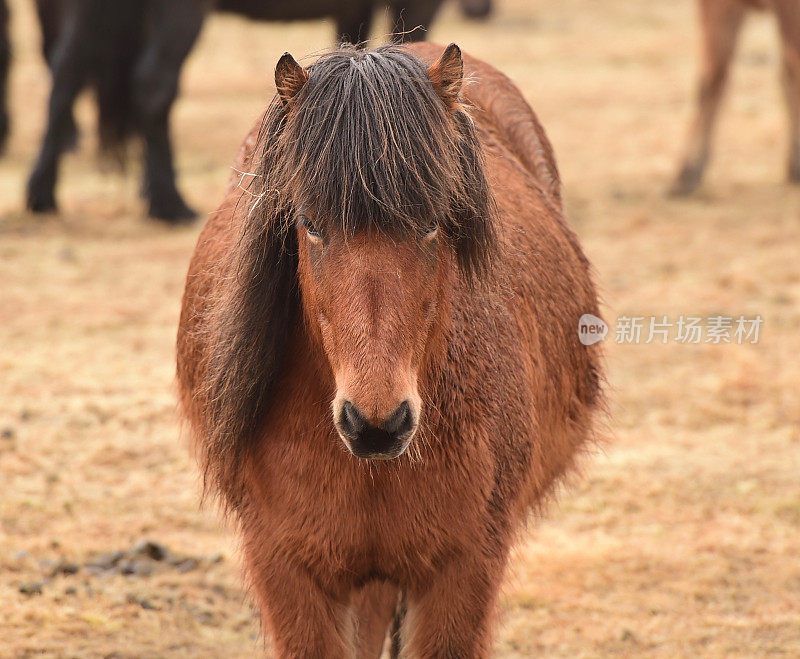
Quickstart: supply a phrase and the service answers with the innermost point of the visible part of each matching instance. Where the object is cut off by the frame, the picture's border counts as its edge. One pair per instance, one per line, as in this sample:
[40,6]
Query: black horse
[132,51]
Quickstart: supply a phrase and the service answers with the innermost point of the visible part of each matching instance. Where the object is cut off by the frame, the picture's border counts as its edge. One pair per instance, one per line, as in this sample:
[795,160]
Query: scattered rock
[142,560]
[151,549]
[186,565]
[106,561]
[32,588]
[71,591]
[138,568]
[7,433]
[143,602]
[64,567]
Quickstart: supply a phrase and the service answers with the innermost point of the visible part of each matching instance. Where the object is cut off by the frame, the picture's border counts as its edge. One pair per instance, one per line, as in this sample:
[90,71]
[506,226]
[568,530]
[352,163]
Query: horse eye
[431,230]
[310,228]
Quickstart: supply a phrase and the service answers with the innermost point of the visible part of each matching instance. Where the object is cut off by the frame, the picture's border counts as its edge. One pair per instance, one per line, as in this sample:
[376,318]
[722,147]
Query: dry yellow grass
[682,538]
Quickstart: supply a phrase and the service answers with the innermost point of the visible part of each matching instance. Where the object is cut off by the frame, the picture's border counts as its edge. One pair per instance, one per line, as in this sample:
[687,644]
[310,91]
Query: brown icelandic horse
[378,351]
[721,21]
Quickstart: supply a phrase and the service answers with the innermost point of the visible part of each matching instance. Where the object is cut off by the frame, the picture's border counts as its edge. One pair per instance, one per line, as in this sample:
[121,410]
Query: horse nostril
[352,421]
[401,421]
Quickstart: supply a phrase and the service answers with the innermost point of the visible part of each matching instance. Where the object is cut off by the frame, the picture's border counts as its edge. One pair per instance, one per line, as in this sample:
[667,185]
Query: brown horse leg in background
[720,22]
[788,14]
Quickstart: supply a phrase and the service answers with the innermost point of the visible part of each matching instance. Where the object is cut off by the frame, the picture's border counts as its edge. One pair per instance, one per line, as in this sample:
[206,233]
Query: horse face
[373,300]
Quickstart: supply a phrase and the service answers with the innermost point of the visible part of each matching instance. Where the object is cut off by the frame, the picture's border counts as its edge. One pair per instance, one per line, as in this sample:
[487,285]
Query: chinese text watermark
[662,329]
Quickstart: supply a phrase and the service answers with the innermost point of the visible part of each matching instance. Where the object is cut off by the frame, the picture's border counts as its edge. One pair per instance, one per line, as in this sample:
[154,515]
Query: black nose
[383,441]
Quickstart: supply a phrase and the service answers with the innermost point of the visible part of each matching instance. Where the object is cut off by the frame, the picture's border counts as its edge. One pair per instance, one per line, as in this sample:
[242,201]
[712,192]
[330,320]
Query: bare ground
[682,537]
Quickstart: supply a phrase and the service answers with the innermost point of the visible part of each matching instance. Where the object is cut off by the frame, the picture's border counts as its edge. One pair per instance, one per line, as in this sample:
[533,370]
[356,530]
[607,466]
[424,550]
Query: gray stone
[32,588]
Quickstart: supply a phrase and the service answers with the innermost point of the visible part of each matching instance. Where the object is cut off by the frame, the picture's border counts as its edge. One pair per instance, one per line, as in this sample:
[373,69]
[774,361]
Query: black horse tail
[118,28]
[114,84]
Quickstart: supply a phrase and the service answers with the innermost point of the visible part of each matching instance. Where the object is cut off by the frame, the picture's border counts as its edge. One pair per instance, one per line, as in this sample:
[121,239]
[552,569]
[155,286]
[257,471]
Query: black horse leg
[69,67]
[5,61]
[50,14]
[354,21]
[174,29]
[412,18]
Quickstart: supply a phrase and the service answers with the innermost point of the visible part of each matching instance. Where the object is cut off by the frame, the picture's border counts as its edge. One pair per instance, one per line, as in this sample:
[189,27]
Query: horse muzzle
[384,440]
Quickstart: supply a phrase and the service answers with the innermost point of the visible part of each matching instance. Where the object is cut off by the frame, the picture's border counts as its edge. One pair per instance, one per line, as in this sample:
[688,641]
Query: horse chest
[345,517]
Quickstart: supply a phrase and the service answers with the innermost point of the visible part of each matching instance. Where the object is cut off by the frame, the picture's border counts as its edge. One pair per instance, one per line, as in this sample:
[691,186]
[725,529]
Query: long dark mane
[368,145]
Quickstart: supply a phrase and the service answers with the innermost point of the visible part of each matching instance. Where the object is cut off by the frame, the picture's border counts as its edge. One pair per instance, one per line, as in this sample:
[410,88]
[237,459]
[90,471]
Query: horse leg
[788,13]
[411,19]
[173,29]
[304,620]
[69,66]
[49,14]
[720,24]
[374,606]
[451,617]
[354,21]
[5,62]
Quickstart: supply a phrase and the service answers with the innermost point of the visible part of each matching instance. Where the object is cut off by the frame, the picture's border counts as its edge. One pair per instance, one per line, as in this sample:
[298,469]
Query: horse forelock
[368,145]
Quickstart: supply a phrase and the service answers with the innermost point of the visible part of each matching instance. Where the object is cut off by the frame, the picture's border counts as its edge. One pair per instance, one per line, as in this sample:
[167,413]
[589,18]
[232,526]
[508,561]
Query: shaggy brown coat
[455,282]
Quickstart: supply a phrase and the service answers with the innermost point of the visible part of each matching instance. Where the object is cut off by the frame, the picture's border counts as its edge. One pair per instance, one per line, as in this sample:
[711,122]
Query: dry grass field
[682,536]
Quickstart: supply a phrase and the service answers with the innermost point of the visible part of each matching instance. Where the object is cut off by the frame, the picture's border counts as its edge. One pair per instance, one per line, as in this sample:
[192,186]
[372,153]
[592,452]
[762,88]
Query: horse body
[508,395]
[721,22]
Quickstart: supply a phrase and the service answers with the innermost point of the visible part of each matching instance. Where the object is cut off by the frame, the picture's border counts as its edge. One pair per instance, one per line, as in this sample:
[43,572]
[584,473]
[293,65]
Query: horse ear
[289,78]
[447,74]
